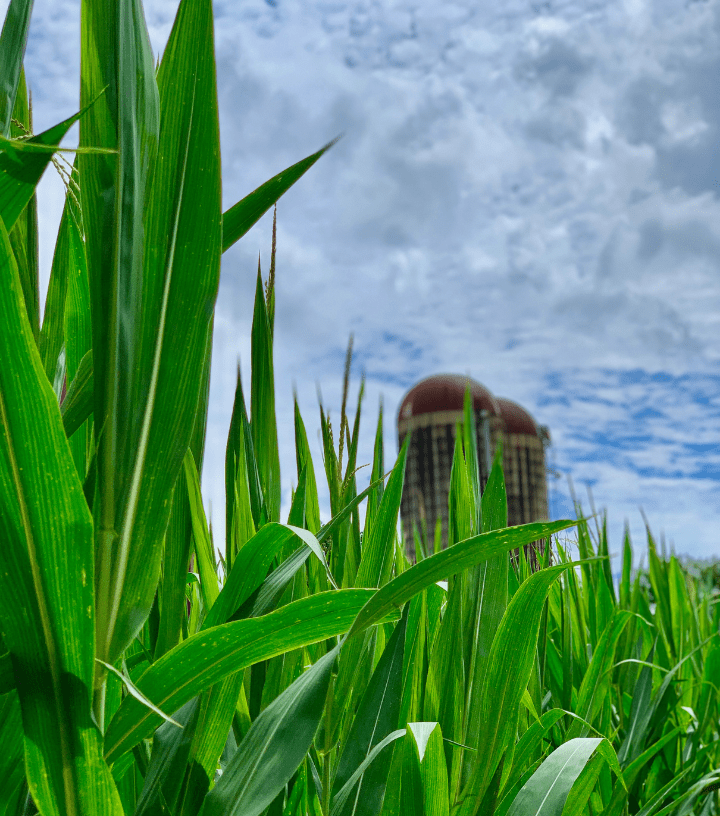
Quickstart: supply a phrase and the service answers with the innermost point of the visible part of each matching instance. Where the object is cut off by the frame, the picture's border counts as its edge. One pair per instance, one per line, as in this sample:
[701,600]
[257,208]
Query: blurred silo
[430,411]
[523,464]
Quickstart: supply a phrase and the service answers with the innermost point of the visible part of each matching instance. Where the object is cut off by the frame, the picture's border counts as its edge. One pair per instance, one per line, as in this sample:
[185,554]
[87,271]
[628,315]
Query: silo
[523,464]
[430,411]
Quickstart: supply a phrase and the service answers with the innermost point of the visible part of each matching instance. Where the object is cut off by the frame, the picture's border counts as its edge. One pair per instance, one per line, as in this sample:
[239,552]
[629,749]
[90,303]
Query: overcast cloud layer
[527,195]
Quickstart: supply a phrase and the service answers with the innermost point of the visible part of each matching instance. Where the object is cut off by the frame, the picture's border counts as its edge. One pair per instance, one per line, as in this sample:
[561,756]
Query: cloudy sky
[529,195]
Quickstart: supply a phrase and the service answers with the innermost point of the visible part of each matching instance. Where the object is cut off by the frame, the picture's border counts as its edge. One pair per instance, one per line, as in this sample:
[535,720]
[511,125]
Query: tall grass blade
[378,547]
[77,323]
[240,498]
[201,534]
[593,688]
[378,470]
[250,569]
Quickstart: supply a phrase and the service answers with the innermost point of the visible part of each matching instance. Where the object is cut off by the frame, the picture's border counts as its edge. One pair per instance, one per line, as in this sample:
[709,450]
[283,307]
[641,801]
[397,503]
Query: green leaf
[52,334]
[491,598]
[78,403]
[378,546]
[201,534]
[527,747]
[46,577]
[172,594]
[21,167]
[212,735]
[262,405]
[304,462]
[428,742]
[274,747]
[494,498]
[464,554]
[470,449]
[77,319]
[241,216]
[596,679]
[165,365]
[251,567]
[269,594]
[171,745]
[376,717]
[445,687]
[640,714]
[12,51]
[544,794]
[412,800]
[630,773]
[511,660]
[133,691]
[378,469]
[7,675]
[205,658]
[12,767]
[239,517]
[342,795]
[414,660]
[24,234]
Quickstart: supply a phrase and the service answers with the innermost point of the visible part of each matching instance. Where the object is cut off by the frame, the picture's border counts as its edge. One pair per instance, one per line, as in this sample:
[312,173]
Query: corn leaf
[428,740]
[205,658]
[511,661]
[274,746]
[166,361]
[545,793]
[46,576]
[376,717]
[78,403]
[262,405]
[21,168]
[241,216]
[438,567]
[343,794]
[12,51]
[12,768]
[24,234]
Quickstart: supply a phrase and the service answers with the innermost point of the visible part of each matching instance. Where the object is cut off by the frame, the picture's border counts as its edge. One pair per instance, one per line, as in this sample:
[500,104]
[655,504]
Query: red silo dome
[517,420]
[445,392]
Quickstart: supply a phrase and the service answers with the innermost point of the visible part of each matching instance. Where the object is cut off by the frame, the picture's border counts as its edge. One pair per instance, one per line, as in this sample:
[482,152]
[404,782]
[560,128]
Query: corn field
[299,667]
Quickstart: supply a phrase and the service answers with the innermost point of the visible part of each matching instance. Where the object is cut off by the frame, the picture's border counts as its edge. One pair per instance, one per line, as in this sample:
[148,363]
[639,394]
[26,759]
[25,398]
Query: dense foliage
[312,670]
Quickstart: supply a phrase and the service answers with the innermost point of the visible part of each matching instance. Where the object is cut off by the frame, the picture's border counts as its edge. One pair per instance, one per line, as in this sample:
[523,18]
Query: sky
[525,192]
